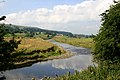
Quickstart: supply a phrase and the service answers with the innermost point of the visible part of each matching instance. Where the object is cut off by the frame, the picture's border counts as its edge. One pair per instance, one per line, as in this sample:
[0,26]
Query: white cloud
[75,18]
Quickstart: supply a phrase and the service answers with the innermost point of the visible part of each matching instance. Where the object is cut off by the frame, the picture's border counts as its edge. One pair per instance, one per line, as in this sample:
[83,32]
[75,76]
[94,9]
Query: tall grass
[31,44]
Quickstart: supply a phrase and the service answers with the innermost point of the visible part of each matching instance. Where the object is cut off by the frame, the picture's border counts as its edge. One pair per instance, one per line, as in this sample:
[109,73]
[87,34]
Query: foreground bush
[107,42]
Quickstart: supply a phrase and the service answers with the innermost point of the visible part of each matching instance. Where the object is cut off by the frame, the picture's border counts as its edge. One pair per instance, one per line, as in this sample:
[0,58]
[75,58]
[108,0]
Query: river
[82,59]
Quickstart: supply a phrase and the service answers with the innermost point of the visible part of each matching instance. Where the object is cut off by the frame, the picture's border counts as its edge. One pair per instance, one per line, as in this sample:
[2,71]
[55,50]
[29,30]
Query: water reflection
[37,70]
[81,60]
[76,62]
[73,49]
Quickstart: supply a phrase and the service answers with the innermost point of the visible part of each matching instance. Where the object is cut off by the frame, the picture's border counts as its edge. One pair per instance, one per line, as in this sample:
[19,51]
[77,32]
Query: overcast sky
[76,16]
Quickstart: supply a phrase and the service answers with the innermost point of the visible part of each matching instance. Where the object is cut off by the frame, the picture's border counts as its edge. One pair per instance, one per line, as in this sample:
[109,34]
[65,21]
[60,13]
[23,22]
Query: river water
[81,60]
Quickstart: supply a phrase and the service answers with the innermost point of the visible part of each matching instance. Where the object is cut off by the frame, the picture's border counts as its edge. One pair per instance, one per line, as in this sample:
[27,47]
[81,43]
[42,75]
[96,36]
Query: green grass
[33,48]
[82,42]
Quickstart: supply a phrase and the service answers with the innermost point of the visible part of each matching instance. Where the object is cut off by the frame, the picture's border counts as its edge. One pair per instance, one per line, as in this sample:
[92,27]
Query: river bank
[104,71]
[33,50]
[79,42]
[59,66]
[67,54]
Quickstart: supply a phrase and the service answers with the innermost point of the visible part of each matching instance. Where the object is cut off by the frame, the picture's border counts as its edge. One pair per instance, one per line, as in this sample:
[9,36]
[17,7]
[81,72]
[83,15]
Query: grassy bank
[82,42]
[32,50]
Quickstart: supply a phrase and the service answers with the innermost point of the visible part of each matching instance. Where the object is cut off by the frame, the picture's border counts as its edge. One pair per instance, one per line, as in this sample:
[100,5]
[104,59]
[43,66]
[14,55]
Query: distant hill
[26,31]
[35,30]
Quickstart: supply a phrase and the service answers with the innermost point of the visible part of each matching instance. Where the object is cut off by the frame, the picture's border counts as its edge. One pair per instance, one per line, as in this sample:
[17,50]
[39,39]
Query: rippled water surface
[81,60]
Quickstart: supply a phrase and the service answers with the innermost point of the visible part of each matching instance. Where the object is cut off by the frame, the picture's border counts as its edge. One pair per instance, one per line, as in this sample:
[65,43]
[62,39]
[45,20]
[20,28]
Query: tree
[6,48]
[2,18]
[107,42]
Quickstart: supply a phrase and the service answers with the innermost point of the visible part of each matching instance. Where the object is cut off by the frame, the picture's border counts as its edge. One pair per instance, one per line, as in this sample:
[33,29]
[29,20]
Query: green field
[82,42]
